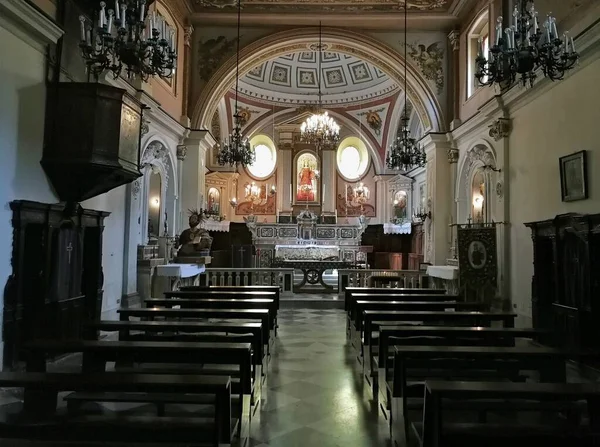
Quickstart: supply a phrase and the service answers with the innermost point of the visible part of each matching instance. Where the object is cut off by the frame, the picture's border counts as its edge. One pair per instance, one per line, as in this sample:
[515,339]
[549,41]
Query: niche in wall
[478,197]
[154,205]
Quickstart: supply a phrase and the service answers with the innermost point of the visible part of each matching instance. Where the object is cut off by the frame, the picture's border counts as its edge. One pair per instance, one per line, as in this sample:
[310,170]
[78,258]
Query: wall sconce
[155,202]
[233,202]
[273,190]
[421,215]
[478,202]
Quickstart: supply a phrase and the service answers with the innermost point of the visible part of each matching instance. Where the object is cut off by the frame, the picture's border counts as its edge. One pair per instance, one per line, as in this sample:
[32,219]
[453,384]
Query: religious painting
[401,205]
[257,197]
[213,202]
[573,177]
[307,179]
[356,198]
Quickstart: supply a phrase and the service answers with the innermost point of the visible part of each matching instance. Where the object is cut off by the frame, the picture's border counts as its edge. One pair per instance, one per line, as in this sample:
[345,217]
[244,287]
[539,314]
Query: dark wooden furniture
[441,396]
[416,257]
[349,291]
[38,420]
[565,284]
[56,283]
[215,288]
[415,364]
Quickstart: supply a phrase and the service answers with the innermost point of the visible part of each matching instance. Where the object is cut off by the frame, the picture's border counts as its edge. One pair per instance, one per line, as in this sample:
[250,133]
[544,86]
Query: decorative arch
[157,158]
[479,155]
[342,41]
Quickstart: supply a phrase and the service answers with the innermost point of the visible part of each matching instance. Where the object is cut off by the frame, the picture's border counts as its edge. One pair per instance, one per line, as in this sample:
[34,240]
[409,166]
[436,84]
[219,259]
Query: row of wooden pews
[191,366]
[449,373]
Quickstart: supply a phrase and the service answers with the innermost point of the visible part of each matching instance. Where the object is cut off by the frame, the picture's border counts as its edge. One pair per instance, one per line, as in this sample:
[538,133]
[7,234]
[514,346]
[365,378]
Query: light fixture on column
[126,37]
[320,129]
[523,48]
[236,149]
[421,215]
[405,153]
[361,196]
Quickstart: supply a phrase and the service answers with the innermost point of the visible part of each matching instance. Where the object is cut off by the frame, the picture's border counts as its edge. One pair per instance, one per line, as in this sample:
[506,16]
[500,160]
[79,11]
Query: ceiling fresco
[293,79]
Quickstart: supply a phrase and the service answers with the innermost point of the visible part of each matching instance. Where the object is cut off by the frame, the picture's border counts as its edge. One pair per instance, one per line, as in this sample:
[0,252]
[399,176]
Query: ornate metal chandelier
[236,150]
[524,48]
[320,129]
[126,37]
[405,153]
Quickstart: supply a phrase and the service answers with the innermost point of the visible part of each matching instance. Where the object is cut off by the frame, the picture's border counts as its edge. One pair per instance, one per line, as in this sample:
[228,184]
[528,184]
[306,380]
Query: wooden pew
[270,292]
[125,329]
[439,336]
[176,331]
[388,291]
[436,362]
[39,419]
[440,397]
[373,319]
[96,354]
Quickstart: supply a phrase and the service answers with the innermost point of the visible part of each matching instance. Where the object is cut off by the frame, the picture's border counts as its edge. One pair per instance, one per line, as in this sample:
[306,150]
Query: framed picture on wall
[573,177]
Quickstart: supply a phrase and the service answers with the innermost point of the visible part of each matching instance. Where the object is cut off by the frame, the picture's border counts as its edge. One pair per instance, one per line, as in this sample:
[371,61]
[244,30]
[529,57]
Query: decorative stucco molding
[452,155]
[24,20]
[500,129]
[454,38]
[187,35]
[156,156]
[181,152]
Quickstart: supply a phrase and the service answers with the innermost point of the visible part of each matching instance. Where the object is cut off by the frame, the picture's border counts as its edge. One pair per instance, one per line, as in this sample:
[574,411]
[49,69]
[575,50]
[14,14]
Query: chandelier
[524,48]
[126,37]
[320,129]
[236,149]
[405,153]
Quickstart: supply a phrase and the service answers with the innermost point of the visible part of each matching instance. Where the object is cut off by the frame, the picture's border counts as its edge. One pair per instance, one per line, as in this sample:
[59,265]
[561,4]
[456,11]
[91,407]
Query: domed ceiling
[293,79]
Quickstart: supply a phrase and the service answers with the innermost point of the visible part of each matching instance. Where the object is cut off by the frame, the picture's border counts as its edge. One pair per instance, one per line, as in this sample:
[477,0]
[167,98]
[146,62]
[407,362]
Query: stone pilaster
[453,154]
[453,78]
[187,72]
[197,145]
[439,199]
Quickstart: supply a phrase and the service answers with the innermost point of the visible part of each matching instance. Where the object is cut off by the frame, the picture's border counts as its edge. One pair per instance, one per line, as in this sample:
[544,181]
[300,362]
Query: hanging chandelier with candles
[128,39]
[320,129]
[405,153]
[236,150]
[525,47]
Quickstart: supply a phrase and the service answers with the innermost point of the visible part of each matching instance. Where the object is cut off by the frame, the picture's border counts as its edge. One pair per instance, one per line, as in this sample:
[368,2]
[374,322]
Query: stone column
[179,223]
[197,146]
[439,199]
[187,73]
[328,178]
[382,204]
[454,79]
[453,160]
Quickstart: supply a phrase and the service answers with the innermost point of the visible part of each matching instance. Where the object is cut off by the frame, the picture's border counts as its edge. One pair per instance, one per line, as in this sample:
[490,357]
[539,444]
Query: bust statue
[194,241]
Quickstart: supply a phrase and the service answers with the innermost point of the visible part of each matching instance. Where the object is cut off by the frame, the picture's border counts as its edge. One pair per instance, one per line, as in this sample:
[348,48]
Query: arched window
[479,30]
[352,159]
[266,157]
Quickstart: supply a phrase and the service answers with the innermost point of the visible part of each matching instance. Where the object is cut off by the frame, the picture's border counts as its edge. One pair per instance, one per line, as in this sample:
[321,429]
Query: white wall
[22,103]
[559,122]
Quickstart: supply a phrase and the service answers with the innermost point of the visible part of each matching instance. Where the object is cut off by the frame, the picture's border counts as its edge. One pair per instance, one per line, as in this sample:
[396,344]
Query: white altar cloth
[307,252]
[443,271]
[213,225]
[390,228]
[180,270]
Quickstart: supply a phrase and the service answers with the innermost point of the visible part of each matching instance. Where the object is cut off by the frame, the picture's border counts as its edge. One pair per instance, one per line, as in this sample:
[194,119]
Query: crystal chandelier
[126,37]
[405,153]
[236,149]
[524,48]
[320,129]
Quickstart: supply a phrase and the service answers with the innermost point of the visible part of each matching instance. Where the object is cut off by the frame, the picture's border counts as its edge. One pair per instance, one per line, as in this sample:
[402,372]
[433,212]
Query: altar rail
[282,277]
[381,278]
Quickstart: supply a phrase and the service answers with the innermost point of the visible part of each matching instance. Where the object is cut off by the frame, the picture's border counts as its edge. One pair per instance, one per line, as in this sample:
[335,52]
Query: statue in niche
[307,178]
[195,241]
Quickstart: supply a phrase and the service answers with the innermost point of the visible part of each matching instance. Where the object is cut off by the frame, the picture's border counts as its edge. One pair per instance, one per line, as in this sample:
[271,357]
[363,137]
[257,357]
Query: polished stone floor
[315,394]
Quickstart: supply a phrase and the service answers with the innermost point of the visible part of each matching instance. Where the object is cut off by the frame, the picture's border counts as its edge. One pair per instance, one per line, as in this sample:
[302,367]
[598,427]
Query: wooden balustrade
[282,277]
[380,278]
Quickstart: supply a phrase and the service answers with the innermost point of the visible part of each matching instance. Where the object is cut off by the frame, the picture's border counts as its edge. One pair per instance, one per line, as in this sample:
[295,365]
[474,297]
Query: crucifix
[69,250]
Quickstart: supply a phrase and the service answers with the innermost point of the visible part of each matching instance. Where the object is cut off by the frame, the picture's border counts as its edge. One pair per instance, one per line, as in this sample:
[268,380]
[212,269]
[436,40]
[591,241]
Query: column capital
[201,138]
[454,38]
[500,129]
[452,155]
[181,152]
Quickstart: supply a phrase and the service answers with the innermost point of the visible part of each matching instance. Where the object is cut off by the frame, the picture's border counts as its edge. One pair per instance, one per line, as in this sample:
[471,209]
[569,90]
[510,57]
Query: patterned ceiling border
[286,42]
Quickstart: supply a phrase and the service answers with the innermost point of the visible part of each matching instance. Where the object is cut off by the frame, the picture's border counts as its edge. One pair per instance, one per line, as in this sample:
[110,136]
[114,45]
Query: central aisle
[315,395]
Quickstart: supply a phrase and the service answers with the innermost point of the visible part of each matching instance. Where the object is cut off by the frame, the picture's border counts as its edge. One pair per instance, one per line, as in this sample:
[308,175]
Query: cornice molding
[28,23]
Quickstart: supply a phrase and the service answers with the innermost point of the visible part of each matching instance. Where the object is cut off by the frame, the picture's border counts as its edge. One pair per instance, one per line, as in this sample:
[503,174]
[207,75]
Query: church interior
[267,223]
